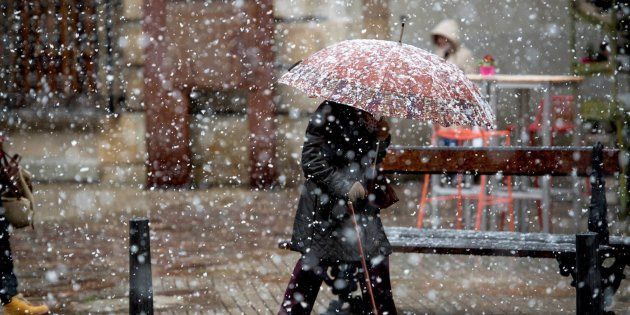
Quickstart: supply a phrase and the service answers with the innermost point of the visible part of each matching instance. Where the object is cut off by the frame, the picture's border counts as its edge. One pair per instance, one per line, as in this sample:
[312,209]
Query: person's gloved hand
[356,192]
[382,131]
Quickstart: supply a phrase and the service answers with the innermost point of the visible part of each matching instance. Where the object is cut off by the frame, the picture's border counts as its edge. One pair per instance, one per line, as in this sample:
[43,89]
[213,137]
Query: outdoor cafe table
[524,84]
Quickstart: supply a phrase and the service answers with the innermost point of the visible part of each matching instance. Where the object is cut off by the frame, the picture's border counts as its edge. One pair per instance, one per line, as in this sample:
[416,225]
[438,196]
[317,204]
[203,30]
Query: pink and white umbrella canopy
[392,79]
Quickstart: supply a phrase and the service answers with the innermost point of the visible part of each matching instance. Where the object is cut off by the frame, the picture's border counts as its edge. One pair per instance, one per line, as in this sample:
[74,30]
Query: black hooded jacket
[339,150]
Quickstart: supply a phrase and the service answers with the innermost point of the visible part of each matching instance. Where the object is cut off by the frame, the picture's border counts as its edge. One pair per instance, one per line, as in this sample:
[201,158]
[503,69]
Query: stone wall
[122,150]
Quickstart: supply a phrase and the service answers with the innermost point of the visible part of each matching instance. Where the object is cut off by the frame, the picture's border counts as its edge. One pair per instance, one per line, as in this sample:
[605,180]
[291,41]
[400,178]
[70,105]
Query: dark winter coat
[339,150]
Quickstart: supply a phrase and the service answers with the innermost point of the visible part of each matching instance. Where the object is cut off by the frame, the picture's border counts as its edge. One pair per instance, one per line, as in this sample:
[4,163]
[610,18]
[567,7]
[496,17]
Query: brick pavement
[213,252]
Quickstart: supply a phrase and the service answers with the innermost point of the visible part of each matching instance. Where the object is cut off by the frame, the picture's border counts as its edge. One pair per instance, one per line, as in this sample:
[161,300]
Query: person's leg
[381,287]
[12,304]
[8,281]
[303,287]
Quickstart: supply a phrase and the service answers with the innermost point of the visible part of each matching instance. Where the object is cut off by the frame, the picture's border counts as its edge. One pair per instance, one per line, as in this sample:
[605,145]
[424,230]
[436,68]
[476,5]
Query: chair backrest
[458,133]
[467,134]
[562,110]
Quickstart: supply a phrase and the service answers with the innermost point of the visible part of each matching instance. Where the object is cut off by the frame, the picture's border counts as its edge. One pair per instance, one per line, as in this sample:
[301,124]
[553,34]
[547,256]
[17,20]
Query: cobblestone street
[214,252]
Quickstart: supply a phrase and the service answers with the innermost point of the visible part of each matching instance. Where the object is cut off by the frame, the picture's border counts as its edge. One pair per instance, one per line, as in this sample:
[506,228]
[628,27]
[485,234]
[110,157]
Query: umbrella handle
[370,183]
[366,274]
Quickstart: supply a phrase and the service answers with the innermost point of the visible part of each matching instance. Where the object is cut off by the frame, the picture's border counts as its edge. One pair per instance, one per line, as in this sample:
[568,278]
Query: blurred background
[76,94]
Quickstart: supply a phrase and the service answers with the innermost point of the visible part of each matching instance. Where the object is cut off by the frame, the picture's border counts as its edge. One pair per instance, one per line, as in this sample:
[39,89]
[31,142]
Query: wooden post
[13,80]
[80,46]
[589,297]
[52,52]
[167,112]
[25,48]
[109,53]
[261,110]
[91,46]
[5,63]
[64,42]
[140,282]
[73,48]
[37,32]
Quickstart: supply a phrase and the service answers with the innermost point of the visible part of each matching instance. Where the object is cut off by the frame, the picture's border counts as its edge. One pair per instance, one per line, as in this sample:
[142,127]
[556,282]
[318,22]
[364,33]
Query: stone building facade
[201,40]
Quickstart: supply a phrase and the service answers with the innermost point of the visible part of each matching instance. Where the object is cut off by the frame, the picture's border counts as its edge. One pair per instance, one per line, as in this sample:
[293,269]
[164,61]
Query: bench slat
[487,243]
[481,247]
[524,161]
[484,243]
[407,232]
[479,243]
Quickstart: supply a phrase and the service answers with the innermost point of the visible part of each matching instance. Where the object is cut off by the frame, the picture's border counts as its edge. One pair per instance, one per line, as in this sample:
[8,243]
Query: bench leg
[460,206]
[423,200]
[479,219]
[589,297]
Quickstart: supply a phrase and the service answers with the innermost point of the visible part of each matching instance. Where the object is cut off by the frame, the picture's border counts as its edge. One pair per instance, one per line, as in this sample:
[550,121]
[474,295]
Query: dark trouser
[306,280]
[8,281]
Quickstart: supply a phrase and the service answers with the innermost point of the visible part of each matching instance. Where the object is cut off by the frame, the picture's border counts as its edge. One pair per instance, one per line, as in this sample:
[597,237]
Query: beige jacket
[462,56]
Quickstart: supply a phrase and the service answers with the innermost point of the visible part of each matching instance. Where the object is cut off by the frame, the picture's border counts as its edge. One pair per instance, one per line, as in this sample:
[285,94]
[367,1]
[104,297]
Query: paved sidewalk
[214,252]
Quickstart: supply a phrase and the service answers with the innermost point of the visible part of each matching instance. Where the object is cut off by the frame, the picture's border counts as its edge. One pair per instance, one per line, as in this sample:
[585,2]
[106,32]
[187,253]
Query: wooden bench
[580,256]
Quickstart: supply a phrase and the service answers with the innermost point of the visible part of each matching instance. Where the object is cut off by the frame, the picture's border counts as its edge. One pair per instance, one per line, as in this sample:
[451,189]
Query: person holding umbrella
[337,222]
[337,160]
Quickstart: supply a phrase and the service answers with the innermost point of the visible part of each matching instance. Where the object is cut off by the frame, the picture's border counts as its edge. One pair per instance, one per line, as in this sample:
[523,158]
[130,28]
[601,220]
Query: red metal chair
[462,135]
[562,117]
[562,121]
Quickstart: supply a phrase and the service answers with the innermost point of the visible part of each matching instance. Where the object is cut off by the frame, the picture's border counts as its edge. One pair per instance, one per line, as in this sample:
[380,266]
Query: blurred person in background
[12,302]
[447,43]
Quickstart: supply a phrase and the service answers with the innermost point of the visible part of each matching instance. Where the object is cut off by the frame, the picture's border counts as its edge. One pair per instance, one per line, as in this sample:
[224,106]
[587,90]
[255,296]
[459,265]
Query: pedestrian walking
[337,223]
[12,302]
[337,158]
[15,212]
